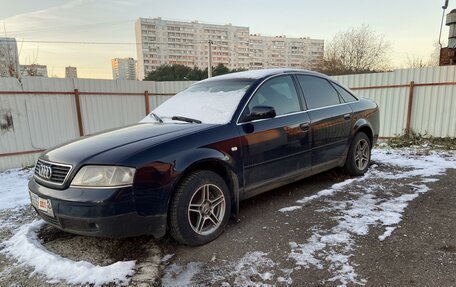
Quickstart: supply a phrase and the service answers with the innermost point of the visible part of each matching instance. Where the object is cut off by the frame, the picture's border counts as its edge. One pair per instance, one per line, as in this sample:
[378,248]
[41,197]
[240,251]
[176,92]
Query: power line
[70,27]
[100,43]
[75,42]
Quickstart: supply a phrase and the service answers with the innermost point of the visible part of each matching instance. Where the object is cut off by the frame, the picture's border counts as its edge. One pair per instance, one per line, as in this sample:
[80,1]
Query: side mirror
[260,112]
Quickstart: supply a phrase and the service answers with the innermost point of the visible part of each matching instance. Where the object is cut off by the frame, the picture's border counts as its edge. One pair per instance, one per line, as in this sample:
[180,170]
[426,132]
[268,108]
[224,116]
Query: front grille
[59,171]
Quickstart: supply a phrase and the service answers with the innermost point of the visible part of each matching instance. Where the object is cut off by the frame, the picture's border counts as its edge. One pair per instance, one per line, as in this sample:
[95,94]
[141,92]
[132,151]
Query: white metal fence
[427,106]
[43,112]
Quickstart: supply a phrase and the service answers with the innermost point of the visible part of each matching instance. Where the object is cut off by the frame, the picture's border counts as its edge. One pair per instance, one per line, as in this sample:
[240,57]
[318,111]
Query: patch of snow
[250,265]
[26,248]
[176,275]
[334,189]
[167,257]
[14,188]
[290,208]
[286,278]
[267,276]
[253,74]
[420,165]
[388,231]
[254,269]
[332,248]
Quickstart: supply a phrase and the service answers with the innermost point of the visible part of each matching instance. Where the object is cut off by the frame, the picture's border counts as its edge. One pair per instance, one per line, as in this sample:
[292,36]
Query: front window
[279,93]
[212,102]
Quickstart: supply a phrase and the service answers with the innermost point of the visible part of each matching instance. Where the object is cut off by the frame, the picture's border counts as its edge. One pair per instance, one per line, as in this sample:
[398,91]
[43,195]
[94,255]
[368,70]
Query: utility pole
[209,63]
[444,7]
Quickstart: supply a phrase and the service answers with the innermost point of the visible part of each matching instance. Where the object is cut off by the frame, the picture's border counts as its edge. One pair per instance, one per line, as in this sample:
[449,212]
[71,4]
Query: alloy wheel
[362,154]
[206,209]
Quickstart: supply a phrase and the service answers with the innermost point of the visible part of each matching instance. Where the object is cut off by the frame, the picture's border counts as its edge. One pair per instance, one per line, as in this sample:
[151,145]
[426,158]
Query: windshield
[212,102]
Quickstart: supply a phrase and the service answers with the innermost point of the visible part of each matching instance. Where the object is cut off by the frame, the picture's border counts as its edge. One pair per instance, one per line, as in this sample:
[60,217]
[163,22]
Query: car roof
[260,74]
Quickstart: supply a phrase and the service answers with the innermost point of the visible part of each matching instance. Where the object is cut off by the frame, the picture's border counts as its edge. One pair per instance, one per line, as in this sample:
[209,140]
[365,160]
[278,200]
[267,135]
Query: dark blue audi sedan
[184,168]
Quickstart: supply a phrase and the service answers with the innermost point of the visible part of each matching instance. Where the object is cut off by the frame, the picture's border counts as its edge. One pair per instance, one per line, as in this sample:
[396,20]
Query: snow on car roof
[258,74]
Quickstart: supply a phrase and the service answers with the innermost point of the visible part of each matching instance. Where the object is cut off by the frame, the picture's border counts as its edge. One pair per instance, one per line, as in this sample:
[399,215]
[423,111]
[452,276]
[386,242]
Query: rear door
[276,149]
[331,121]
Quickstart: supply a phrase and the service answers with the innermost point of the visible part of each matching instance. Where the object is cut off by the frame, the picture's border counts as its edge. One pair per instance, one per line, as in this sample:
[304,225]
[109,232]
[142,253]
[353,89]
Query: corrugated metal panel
[433,109]
[392,102]
[102,112]
[106,112]
[17,137]
[18,161]
[47,125]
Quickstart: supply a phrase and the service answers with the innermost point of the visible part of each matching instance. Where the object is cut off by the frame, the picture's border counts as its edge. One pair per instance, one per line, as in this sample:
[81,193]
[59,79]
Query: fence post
[78,112]
[146,102]
[409,108]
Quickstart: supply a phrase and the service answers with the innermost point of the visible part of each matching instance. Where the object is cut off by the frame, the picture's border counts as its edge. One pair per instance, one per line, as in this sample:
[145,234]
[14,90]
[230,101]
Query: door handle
[347,116]
[304,126]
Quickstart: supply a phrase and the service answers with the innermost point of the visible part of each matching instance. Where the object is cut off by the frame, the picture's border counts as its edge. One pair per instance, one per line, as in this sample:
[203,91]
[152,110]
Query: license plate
[42,204]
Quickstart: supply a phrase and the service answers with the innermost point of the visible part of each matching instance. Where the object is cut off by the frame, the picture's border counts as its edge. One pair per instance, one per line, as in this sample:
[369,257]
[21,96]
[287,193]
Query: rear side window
[318,92]
[344,94]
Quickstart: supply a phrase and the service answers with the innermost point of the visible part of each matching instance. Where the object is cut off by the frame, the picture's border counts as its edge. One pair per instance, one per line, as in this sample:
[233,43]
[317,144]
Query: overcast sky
[412,26]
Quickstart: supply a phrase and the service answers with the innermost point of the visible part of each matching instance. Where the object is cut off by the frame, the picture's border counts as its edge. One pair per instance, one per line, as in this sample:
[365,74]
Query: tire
[359,154]
[193,219]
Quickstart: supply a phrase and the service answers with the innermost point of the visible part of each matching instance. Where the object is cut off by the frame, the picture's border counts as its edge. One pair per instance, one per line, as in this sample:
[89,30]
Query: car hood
[102,148]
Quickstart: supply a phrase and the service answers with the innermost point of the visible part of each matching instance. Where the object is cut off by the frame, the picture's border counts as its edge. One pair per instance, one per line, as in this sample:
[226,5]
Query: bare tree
[416,62]
[435,56]
[10,61]
[32,70]
[357,50]
[420,62]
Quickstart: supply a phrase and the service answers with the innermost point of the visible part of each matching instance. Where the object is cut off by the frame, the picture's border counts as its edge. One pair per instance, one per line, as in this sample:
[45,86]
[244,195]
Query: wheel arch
[361,125]
[364,126]
[214,161]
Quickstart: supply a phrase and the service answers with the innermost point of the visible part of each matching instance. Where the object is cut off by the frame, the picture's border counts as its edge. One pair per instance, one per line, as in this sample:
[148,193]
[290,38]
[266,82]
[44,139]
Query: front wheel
[200,208]
[359,155]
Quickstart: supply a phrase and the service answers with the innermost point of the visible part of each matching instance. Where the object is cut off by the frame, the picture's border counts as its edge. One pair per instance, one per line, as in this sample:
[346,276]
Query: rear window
[318,92]
[344,94]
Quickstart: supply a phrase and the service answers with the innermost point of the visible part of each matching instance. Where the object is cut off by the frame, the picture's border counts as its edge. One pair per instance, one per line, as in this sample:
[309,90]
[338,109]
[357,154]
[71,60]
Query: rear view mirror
[260,112]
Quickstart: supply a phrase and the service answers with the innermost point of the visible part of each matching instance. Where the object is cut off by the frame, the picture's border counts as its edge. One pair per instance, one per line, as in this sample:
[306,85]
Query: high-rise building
[282,51]
[124,69]
[71,72]
[166,42]
[33,70]
[9,58]
[162,42]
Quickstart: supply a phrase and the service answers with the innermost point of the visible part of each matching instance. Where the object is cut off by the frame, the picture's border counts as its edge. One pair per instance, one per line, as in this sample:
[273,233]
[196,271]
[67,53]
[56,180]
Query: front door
[276,149]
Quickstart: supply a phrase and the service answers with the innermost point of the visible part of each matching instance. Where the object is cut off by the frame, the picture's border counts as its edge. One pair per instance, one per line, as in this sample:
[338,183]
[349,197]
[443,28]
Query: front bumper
[112,215]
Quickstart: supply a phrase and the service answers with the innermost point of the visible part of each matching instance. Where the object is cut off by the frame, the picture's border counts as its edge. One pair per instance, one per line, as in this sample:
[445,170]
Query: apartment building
[166,42]
[33,70]
[123,69]
[175,42]
[9,58]
[71,72]
[282,51]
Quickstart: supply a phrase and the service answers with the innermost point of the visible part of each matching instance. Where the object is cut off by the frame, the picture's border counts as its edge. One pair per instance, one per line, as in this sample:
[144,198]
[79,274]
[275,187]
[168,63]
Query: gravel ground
[266,246]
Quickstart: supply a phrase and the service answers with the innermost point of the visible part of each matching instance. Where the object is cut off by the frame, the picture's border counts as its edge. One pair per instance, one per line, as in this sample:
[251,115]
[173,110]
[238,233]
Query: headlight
[103,176]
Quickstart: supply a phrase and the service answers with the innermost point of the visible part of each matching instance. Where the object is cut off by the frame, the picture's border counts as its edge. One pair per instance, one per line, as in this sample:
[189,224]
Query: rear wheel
[359,155]
[200,208]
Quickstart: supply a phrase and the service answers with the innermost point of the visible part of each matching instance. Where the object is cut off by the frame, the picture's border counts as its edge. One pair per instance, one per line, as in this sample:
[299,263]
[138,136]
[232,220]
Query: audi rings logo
[45,171]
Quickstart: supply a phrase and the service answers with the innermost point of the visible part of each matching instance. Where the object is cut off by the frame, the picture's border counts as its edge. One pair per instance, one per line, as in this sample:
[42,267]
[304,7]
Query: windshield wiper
[185,119]
[157,118]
